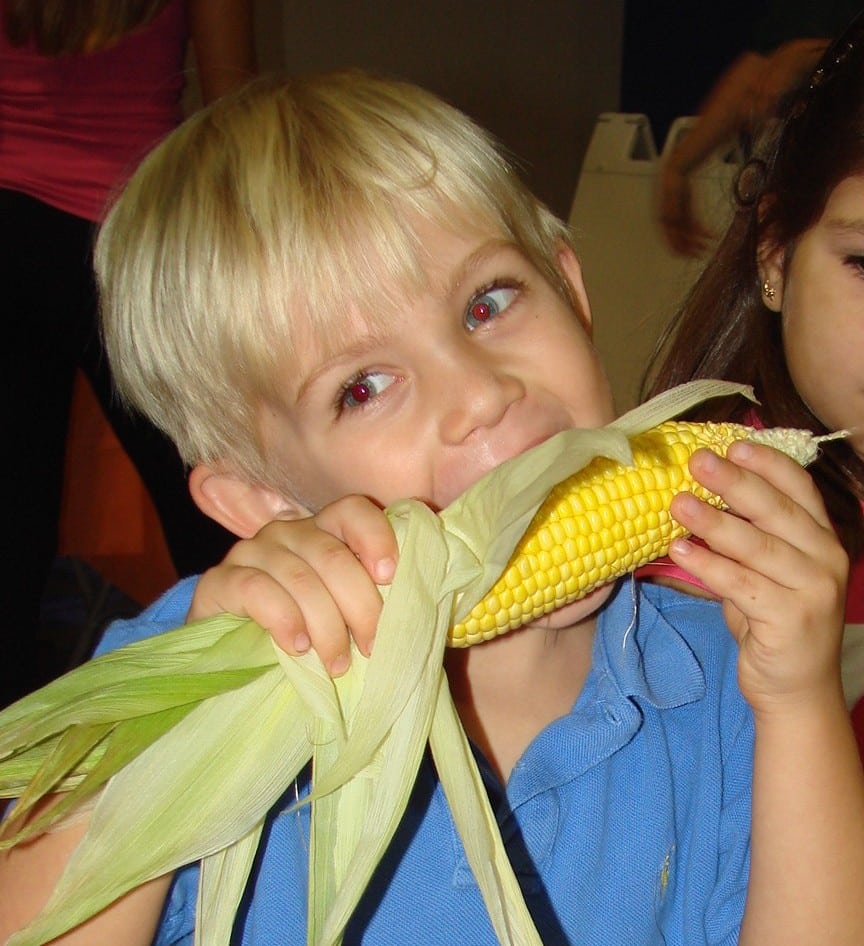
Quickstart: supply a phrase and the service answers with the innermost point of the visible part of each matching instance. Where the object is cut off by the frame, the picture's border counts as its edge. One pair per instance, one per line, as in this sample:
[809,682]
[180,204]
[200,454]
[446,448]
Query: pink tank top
[72,128]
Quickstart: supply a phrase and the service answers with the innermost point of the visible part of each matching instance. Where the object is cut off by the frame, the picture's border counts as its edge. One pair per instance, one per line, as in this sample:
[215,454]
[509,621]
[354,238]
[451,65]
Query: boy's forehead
[430,257]
[353,316]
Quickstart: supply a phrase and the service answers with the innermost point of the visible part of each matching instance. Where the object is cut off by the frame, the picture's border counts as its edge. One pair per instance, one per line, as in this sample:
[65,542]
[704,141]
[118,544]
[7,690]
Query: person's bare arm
[223,38]
[810,875]
[30,872]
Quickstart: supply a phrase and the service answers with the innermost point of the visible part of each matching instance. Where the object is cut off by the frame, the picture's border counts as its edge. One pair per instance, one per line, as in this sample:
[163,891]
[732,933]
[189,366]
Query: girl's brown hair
[723,330]
[59,27]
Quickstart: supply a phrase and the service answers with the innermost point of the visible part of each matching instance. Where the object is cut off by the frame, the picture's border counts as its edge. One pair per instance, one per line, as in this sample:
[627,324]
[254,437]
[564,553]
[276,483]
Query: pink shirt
[72,128]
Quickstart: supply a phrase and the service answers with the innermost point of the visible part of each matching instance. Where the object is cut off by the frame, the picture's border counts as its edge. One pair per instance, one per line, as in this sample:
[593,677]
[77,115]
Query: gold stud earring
[768,290]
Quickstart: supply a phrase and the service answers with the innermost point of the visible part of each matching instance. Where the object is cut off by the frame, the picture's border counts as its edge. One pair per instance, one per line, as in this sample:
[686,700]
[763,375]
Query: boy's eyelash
[342,393]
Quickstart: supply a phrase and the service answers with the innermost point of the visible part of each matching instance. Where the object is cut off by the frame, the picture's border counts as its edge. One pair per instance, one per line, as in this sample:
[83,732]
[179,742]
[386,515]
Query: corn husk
[183,742]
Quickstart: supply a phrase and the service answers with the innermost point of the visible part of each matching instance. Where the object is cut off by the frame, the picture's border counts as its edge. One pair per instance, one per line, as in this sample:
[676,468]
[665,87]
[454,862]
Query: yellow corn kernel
[605,521]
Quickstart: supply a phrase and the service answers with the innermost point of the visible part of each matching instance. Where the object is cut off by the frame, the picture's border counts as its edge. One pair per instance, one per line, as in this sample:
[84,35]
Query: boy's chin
[576,611]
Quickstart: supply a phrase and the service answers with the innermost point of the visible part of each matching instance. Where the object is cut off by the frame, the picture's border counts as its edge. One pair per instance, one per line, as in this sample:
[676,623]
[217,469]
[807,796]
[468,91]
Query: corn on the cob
[607,520]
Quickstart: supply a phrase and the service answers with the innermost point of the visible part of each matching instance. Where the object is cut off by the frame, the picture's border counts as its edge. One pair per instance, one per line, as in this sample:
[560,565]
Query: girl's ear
[241,507]
[571,269]
[770,260]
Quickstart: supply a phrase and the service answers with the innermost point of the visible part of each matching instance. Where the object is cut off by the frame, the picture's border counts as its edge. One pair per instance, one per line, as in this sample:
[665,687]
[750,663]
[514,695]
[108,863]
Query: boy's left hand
[776,563]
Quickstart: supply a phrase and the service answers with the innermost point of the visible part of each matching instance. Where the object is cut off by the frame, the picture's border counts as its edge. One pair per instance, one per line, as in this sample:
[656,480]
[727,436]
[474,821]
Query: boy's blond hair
[289,200]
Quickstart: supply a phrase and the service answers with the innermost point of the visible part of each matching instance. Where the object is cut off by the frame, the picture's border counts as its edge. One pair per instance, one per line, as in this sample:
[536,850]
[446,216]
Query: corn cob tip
[801,445]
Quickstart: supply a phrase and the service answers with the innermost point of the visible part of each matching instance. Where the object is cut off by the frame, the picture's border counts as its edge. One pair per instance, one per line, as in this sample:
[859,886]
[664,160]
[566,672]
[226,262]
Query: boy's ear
[571,269]
[240,506]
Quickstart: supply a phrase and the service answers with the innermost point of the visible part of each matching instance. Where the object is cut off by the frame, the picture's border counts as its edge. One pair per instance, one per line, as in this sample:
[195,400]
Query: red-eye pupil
[359,392]
[481,311]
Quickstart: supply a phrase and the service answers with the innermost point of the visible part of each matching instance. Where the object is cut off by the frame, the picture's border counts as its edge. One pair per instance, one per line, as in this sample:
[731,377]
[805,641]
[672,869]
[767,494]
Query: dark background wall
[673,50]
[534,72]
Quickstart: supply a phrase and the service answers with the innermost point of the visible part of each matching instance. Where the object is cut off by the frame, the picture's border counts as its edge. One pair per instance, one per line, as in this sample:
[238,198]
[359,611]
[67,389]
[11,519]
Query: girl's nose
[474,393]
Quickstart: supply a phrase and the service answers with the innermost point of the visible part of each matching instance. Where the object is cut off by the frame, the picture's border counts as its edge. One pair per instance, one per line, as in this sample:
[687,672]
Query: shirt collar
[639,654]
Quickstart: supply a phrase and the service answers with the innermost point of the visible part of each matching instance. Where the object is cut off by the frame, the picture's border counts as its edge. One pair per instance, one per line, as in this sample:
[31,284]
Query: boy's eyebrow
[474,260]
[356,350]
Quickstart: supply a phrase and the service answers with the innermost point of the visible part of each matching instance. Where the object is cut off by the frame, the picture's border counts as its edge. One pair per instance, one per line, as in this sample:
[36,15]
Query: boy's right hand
[310,582]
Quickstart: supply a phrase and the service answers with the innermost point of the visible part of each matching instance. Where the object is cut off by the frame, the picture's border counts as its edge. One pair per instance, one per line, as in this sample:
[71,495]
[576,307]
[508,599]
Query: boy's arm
[309,578]
[29,873]
[776,563]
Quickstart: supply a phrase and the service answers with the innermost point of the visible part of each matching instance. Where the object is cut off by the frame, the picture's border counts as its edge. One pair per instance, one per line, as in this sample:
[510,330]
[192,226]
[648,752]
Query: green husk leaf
[414,601]
[129,739]
[67,752]
[352,827]
[17,770]
[145,674]
[220,888]
[478,829]
[182,799]
[199,789]
[677,401]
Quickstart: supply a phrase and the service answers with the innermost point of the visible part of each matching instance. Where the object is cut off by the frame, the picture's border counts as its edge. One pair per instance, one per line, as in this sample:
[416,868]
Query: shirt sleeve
[165,614]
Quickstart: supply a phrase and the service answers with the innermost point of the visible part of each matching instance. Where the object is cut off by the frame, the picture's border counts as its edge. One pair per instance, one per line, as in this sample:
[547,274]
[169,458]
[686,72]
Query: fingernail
[686,502]
[339,665]
[708,461]
[384,569]
[681,547]
[302,643]
[740,450]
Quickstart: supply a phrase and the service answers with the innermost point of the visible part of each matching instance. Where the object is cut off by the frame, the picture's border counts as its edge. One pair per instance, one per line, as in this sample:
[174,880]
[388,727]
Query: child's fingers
[734,563]
[304,617]
[779,527]
[308,581]
[251,592]
[364,528]
[332,589]
[789,478]
[336,571]
[773,556]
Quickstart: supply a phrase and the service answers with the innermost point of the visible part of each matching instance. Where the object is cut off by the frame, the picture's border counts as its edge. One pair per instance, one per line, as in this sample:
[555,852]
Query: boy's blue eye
[487,305]
[362,388]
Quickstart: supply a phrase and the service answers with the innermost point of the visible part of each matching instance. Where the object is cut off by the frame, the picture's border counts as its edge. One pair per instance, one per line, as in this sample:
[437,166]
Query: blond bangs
[268,217]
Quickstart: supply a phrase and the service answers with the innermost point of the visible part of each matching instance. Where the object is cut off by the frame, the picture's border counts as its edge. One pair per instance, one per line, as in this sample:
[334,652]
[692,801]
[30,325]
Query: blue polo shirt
[627,821]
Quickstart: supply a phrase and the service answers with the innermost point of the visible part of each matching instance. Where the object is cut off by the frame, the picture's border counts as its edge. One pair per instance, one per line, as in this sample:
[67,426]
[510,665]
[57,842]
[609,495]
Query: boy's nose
[474,394]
